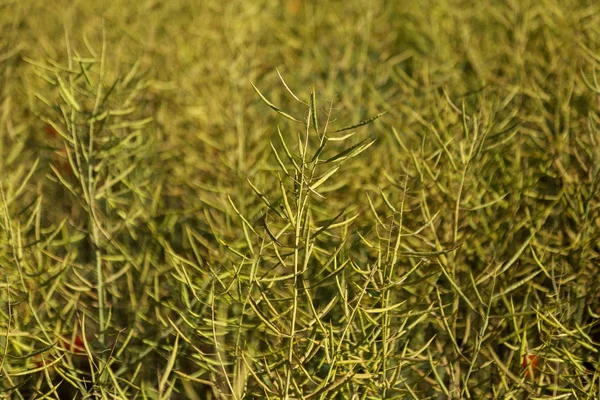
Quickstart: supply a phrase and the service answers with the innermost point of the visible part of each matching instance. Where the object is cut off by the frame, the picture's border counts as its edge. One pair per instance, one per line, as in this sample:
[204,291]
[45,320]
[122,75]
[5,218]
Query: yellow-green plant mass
[294,199]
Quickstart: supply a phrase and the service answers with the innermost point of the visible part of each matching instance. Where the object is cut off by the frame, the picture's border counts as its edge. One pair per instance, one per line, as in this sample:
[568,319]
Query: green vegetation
[300,200]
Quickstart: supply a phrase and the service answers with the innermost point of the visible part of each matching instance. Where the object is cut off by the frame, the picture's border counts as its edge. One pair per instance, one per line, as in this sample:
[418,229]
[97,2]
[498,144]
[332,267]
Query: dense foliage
[300,199]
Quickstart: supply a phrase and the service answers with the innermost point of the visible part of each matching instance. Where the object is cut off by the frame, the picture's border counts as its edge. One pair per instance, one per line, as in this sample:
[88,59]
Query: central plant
[296,269]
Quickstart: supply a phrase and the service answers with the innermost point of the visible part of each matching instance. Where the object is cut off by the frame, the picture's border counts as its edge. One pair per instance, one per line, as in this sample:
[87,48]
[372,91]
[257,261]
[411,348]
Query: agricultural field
[368,199]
